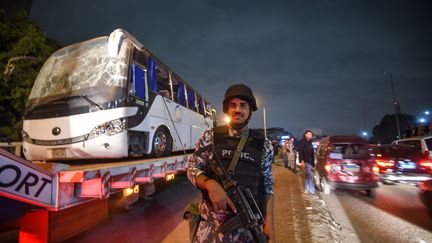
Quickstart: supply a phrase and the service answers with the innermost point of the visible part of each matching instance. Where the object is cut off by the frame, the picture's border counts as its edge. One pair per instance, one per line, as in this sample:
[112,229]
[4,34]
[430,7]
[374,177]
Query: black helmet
[239,91]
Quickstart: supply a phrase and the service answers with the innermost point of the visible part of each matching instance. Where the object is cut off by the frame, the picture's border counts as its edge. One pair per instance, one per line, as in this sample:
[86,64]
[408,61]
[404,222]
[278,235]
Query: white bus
[111,98]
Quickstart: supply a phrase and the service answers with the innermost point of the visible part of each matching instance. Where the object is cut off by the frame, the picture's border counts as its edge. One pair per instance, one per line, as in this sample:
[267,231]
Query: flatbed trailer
[68,199]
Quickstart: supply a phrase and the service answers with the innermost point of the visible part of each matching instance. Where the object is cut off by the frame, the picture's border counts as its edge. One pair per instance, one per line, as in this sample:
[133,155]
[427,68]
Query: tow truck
[61,200]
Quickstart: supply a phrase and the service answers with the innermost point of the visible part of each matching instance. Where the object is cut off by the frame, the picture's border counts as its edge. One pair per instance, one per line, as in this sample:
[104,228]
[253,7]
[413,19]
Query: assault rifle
[248,213]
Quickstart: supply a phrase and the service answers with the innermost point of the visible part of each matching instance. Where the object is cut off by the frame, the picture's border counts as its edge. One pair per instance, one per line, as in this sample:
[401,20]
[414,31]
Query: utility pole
[364,119]
[265,123]
[395,104]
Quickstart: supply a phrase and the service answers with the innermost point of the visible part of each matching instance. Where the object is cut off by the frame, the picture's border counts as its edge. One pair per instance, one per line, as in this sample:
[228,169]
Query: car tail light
[376,169]
[327,168]
[426,164]
[384,163]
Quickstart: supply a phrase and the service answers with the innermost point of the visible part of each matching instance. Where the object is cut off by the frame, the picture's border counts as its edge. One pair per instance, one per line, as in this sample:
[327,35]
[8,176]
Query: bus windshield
[83,69]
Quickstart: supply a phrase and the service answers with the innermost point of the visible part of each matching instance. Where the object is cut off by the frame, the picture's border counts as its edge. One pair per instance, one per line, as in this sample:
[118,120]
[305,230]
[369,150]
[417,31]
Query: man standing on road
[306,157]
[253,170]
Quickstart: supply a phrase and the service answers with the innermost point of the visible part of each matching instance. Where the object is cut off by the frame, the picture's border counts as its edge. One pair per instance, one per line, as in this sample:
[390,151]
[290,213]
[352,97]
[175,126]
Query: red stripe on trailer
[147,177]
[124,181]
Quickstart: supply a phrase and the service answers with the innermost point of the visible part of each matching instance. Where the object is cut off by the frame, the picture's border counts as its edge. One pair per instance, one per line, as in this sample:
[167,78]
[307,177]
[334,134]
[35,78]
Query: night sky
[312,64]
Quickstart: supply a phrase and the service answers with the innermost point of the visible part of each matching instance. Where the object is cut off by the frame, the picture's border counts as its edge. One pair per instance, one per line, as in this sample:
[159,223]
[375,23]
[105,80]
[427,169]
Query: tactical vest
[248,172]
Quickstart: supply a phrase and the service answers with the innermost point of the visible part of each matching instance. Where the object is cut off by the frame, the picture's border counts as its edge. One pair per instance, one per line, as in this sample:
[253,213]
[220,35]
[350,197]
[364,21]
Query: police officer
[253,170]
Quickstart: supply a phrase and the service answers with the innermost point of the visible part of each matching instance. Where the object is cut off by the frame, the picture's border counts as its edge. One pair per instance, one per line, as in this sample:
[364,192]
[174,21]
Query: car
[425,194]
[402,163]
[345,162]
[422,143]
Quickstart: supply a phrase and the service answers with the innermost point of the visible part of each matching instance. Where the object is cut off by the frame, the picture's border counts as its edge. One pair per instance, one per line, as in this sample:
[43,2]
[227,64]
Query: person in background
[307,157]
[275,149]
[285,153]
[291,156]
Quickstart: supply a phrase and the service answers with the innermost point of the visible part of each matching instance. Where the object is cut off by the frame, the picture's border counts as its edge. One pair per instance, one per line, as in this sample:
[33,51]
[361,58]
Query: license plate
[406,165]
[58,153]
[350,167]
[335,156]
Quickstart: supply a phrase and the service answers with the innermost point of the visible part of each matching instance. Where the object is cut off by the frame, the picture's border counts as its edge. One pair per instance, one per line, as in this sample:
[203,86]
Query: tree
[386,131]
[23,50]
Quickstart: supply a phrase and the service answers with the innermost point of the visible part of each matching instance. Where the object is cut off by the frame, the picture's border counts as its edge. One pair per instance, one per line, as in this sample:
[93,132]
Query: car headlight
[109,128]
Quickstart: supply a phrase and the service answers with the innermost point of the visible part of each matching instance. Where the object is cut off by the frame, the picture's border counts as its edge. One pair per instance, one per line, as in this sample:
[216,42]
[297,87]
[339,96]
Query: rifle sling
[235,221]
[238,151]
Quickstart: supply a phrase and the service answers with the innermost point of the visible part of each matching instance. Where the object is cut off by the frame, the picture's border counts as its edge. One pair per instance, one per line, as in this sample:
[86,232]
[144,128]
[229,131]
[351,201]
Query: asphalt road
[396,214]
[298,217]
[151,218]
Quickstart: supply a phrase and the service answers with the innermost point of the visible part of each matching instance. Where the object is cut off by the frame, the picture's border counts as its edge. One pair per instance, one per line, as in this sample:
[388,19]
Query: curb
[338,219]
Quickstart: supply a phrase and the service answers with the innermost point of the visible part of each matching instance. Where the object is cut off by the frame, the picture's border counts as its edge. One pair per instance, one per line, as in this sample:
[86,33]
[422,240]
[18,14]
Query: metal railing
[13,147]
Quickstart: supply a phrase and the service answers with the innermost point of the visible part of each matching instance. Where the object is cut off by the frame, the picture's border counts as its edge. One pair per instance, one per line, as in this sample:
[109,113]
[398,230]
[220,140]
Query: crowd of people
[304,150]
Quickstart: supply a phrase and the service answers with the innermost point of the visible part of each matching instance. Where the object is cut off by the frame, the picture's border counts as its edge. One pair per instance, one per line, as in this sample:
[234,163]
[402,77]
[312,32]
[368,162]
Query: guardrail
[13,147]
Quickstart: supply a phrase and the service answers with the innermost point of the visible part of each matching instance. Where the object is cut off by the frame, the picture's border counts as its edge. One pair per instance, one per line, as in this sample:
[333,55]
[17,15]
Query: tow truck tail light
[169,177]
[130,191]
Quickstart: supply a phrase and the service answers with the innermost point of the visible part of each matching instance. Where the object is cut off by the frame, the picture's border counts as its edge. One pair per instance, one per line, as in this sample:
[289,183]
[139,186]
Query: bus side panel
[189,125]
[197,125]
[151,123]
[158,116]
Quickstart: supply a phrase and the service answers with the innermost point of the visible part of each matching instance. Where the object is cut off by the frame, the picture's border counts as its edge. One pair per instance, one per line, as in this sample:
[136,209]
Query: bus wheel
[162,143]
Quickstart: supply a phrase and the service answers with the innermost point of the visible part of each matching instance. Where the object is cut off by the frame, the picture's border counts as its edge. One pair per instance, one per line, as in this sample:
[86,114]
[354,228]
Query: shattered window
[349,151]
[78,69]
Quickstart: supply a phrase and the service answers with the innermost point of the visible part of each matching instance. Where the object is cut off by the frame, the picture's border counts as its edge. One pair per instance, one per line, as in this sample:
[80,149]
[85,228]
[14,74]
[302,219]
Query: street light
[426,113]
[422,120]
[395,103]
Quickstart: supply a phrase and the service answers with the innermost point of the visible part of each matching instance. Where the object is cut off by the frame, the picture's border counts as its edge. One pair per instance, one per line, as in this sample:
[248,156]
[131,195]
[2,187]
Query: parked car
[345,162]
[422,143]
[402,163]
[425,193]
